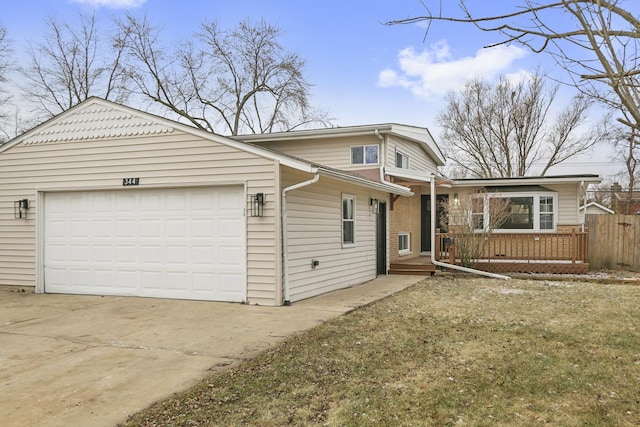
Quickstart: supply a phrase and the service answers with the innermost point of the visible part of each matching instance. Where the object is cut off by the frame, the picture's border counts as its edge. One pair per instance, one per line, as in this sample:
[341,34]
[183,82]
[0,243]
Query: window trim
[536,195]
[406,251]
[403,155]
[352,220]
[364,154]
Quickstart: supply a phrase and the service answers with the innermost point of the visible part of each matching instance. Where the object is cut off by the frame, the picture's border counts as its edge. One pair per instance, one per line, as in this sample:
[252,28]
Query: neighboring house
[105,199]
[595,209]
[624,201]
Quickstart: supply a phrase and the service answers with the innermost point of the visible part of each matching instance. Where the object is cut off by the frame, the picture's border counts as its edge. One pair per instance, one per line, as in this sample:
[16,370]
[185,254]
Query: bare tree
[471,225]
[229,81]
[71,64]
[501,130]
[626,140]
[5,65]
[596,41]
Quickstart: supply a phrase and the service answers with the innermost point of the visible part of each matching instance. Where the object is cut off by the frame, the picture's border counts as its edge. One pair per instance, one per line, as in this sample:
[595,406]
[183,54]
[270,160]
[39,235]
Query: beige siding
[335,153]
[314,232]
[568,203]
[419,160]
[160,160]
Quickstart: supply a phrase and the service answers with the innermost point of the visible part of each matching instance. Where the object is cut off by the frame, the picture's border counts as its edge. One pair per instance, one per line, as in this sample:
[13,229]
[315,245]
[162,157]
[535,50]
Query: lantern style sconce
[374,204]
[456,199]
[20,208]
[257,204]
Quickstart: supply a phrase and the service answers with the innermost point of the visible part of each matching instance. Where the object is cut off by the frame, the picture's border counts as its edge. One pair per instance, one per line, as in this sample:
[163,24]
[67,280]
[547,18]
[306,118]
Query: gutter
[285,246]
[434,261]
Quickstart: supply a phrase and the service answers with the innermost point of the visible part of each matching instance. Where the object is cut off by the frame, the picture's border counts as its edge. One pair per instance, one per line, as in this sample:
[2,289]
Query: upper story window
[402,160]
[364,155]
[526,211]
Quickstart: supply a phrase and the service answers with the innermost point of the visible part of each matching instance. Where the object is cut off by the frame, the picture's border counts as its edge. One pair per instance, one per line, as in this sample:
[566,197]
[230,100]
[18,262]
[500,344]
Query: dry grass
[448,351]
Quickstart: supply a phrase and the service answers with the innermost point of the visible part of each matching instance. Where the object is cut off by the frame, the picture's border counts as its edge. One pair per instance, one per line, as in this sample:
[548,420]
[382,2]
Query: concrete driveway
[91,361]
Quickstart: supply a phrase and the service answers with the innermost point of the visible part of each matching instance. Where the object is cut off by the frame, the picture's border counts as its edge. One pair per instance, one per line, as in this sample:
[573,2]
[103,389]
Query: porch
[561,253]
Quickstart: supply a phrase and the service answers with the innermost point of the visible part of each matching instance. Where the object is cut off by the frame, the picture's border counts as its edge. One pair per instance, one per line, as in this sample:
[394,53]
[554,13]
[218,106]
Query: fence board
[614,242]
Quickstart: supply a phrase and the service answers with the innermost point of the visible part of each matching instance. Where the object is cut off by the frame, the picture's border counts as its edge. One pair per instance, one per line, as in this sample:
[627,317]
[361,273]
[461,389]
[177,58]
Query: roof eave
[539,180]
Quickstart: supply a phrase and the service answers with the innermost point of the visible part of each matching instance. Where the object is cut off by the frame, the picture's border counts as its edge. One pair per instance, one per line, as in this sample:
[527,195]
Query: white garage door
[166,243]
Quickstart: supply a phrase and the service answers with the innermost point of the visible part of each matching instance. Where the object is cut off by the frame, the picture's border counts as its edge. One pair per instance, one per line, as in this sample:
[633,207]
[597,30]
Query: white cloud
[434,71]
[113,4]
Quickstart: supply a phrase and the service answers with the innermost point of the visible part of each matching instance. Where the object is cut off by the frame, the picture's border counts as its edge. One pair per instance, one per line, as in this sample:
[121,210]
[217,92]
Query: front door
[425,219]
[381,240]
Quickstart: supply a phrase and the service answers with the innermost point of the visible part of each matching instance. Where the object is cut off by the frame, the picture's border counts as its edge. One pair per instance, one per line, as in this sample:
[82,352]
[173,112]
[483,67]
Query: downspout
[434,261]
[383,150]
[584,203]
[285,246]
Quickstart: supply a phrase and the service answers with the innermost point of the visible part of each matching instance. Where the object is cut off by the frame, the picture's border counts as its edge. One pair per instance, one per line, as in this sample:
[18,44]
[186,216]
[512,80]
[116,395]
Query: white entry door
[185,243]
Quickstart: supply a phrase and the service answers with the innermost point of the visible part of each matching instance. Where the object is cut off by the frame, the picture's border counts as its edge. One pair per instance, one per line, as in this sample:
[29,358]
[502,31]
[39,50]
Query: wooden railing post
[437,248]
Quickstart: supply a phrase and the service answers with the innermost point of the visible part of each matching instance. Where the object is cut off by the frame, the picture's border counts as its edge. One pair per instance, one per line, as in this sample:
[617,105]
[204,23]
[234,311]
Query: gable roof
[97,118]
[597,206]
[420,136]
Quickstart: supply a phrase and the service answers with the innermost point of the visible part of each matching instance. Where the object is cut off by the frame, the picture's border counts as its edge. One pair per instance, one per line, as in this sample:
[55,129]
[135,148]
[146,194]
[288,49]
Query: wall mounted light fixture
[456,199]
[374,204]
[20,208]
[257,204]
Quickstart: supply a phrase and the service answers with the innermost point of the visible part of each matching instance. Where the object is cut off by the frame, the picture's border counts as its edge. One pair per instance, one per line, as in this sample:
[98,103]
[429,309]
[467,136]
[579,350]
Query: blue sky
[363,72]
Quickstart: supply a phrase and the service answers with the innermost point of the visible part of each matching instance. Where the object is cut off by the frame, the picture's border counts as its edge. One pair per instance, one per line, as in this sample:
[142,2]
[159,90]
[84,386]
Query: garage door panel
[171,243]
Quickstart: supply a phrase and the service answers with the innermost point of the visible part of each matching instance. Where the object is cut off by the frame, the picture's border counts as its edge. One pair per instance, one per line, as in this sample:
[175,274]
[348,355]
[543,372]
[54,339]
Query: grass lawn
[448,351]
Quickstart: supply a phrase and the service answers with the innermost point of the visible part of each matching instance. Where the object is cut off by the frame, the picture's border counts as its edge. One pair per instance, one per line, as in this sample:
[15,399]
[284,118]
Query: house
[105,199]
[544,231]
[109,200]
[538,238]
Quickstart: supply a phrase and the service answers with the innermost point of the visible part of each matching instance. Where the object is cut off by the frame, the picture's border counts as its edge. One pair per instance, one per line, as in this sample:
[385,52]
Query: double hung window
[348,220]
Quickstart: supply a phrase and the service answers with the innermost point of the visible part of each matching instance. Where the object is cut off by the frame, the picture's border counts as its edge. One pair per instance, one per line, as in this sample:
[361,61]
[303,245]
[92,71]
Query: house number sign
[130,181]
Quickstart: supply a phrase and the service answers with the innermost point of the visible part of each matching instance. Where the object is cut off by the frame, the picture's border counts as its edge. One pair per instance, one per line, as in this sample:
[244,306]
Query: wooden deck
[417,266]
[549,253]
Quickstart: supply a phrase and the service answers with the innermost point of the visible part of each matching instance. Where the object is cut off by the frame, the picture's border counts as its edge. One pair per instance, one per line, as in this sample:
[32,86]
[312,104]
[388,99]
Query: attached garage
[104,199]
[185,243]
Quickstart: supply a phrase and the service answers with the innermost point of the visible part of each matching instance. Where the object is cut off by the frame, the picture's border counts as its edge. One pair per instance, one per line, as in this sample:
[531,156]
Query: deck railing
[522,247]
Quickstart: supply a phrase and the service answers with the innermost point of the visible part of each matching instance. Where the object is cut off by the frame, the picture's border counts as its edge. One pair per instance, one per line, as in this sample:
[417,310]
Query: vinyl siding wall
[335,153]
[314,232]
[418,159]
[170,159]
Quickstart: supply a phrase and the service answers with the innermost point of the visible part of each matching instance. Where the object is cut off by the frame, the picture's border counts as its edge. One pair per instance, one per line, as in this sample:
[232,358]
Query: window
[404,243]
[348,220]
[402,160]
[527,211]
[546,213]
[521,214]
[477,213]
[364,155]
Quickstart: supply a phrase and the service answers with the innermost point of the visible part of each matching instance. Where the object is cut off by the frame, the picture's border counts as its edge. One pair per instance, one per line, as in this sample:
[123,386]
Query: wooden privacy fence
[614,242]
